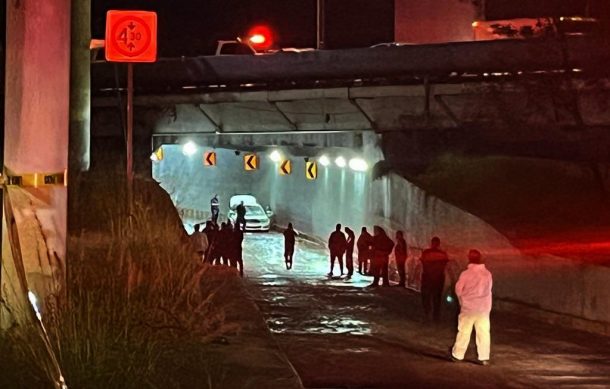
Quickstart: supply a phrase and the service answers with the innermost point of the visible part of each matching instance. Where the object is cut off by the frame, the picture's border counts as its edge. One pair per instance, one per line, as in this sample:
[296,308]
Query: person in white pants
[473,290]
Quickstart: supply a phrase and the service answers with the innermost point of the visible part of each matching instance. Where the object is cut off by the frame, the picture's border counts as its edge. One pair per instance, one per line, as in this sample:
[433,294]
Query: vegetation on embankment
[558,207]
[135,295]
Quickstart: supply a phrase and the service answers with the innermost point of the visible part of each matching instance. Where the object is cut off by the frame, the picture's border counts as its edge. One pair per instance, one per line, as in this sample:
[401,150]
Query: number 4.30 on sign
[131,36]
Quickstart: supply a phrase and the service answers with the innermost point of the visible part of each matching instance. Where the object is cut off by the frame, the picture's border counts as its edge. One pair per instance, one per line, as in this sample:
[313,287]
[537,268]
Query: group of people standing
[219,245]
[373,253]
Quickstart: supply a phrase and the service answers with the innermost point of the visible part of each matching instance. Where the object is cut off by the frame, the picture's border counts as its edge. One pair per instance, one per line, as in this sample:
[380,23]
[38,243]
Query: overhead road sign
[209,158]
[250,162]
[131,36]
[286,167]
[311,170]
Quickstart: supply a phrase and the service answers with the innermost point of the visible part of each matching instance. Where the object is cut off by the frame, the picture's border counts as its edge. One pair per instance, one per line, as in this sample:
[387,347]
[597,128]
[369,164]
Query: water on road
[338,333]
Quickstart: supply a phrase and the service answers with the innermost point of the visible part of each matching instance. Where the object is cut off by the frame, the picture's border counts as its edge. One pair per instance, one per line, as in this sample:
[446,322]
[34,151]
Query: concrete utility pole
[35,155]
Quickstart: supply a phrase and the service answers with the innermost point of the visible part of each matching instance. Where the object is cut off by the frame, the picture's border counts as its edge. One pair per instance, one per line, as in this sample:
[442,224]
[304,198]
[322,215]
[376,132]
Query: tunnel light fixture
[358,164]
[324,160]
[189,148]
[340,161]
[275,156]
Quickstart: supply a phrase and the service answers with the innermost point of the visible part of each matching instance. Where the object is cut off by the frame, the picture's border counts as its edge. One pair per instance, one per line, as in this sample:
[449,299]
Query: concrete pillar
[36,141]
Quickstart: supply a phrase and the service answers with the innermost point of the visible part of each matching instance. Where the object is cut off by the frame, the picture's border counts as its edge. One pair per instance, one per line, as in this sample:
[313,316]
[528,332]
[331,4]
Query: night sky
[193,27]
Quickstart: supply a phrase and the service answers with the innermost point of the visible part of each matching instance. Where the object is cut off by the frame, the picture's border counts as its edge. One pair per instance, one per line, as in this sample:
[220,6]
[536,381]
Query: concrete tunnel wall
[340,195]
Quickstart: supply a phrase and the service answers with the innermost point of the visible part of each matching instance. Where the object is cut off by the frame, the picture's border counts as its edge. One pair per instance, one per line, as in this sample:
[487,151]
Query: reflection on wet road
[306,285]
[339,333]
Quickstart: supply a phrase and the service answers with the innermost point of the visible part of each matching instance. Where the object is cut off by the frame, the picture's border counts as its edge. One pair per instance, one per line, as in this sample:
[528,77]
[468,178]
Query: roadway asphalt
[339,334]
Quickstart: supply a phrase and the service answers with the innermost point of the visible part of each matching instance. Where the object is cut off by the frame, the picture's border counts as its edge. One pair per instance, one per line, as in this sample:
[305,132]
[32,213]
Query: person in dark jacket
[400,255]
[236,255]
[211,231]
[240,221]
[337,245]
[434,260]
[289,241]
[365,245]
[224,242]
[382,248]
[349,252]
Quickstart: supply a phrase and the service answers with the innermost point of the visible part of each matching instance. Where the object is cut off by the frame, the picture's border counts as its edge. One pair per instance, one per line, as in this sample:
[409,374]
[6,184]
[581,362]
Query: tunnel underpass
[337,194]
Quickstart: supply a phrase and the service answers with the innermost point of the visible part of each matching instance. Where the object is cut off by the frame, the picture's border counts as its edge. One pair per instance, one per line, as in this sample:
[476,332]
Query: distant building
[434,21]
[438,21]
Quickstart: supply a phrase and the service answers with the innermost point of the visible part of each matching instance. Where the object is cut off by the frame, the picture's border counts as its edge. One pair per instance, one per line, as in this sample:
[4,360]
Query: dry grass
[134,295]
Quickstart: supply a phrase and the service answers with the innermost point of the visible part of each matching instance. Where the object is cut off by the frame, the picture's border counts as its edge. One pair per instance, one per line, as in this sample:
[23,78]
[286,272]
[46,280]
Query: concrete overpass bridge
[539,98]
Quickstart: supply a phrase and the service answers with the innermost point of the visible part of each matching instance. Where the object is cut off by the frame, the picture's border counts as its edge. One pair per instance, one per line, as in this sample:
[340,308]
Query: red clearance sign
[131,36]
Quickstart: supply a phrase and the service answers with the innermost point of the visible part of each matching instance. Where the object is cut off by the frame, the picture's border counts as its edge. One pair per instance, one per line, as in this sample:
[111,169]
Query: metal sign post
[129,139]
[131,36]
[321,13]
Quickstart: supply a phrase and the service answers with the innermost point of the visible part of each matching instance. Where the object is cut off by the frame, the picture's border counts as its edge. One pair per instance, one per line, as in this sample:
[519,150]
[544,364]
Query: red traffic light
[260,37]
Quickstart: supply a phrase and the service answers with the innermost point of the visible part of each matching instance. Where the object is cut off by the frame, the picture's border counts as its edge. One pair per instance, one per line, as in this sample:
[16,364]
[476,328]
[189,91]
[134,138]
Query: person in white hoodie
[473,290]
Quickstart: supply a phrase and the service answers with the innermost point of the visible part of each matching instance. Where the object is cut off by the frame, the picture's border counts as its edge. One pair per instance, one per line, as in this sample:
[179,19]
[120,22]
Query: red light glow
[260,37]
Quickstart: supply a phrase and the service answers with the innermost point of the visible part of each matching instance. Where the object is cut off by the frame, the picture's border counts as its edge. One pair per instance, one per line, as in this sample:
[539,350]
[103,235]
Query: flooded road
[340,334]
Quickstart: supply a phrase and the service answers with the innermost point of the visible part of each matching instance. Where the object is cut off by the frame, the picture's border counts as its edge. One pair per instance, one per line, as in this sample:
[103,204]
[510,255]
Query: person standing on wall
[337,245]
[240,221]
[215,208]
[364,244]
[382,248]
[289,242]
[473,290]
[400,256]
[434,260]
[349,252]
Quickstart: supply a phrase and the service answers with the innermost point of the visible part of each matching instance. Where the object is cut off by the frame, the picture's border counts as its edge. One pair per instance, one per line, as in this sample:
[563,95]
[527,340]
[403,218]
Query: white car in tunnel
[257,219]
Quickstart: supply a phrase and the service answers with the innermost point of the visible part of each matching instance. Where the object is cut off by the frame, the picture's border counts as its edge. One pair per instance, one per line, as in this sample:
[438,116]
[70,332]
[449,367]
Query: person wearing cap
[473,290]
